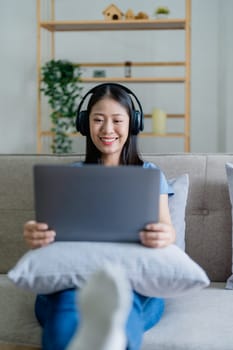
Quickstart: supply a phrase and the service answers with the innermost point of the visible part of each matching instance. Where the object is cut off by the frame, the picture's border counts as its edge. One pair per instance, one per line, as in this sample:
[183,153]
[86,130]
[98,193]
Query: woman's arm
[161,234]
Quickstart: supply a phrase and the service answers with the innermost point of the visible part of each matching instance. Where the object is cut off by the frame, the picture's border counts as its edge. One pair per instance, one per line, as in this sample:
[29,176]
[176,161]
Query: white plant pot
[161,16]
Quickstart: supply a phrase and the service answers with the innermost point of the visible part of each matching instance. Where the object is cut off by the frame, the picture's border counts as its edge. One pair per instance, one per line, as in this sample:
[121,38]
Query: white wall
[18,76]
[204,79]
[225,120]
[211,78]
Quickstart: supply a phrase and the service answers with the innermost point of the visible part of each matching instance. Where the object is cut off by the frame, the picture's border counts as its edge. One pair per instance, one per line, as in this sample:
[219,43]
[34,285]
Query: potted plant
[61,84]
[162,12]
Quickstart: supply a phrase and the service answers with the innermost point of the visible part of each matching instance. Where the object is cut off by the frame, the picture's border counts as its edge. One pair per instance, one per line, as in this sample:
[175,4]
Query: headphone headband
[82,121]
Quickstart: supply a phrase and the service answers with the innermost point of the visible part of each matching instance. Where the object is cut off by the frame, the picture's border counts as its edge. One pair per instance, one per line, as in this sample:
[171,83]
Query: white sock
[104,304]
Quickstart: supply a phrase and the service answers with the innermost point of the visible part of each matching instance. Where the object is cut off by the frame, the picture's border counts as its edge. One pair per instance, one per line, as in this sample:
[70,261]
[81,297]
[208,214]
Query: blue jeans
[59,317]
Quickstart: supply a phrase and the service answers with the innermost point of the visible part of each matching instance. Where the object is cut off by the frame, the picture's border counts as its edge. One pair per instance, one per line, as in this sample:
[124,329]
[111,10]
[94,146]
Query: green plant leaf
[60,82]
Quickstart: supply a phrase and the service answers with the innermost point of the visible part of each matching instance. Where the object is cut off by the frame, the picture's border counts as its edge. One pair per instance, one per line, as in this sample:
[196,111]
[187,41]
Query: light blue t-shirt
[165,188]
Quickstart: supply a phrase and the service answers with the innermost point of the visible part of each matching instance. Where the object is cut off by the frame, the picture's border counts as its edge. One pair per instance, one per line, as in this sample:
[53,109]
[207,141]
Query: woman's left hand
[158,235]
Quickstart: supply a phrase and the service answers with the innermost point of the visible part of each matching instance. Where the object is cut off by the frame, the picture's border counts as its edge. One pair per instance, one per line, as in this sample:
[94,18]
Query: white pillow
[165,272]
[229,171]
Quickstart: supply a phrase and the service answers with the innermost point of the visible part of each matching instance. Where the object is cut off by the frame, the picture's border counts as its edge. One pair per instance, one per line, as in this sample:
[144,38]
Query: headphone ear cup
[82,123]
[137,123]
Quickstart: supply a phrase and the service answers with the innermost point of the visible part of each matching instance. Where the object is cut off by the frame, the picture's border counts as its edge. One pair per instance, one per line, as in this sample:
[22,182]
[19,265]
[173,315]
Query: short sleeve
[165,188]
[77,164]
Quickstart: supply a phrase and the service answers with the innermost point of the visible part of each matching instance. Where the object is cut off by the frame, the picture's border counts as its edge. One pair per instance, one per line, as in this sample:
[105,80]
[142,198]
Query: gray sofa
[199,321]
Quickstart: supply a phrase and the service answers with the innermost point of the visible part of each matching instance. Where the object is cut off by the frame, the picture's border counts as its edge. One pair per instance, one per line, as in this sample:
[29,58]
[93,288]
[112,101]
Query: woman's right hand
[37,234]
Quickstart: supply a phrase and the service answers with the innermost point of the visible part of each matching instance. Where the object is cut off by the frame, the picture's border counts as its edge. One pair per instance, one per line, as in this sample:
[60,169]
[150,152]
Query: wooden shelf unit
[123,25]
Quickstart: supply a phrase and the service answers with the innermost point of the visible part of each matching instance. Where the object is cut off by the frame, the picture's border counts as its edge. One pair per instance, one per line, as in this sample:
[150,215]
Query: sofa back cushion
[16,202]
[208,212]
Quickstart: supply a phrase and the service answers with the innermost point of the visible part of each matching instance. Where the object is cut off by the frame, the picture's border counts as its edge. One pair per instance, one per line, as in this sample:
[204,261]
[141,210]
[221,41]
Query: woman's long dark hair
[129,154]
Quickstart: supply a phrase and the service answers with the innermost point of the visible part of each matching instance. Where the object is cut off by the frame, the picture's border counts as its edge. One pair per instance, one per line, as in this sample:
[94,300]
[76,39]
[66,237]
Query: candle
[159,119]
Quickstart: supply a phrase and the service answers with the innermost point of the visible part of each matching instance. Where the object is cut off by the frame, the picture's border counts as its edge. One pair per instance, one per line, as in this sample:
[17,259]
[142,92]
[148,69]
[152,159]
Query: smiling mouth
[108,140]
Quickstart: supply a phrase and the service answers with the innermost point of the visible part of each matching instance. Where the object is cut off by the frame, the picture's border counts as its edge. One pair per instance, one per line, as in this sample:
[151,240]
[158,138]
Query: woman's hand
[158,235]
[37,234]
[161,234]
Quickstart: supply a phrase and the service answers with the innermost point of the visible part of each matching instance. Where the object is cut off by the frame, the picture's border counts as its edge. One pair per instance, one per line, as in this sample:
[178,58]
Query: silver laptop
[96,203]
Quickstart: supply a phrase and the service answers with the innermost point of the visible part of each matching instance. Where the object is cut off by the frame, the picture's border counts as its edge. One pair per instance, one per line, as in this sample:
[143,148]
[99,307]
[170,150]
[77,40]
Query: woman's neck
[110,161]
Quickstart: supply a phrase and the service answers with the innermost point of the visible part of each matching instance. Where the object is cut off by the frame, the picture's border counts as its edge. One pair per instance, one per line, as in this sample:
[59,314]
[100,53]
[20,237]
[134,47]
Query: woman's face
[109,129]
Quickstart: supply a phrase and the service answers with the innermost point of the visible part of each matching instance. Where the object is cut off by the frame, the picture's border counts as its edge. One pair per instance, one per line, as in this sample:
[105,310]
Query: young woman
[111,125]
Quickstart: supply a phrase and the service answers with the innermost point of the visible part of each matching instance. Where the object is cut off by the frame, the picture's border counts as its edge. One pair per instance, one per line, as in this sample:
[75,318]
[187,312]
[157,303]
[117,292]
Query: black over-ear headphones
[82,121]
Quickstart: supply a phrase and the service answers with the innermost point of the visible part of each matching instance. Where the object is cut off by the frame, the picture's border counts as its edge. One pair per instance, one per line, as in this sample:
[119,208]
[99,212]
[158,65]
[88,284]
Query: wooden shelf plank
[173,116]
[142,134]
[101,25]
[133,64]
[170,134]
[135,80]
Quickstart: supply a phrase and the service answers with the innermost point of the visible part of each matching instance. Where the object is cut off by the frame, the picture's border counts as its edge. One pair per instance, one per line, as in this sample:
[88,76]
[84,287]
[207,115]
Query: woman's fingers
[37,234]
[157,235]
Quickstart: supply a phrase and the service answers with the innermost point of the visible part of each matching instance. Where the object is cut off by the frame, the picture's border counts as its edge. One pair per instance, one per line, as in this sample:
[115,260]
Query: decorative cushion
[229,171]
[165,272]
[177,206]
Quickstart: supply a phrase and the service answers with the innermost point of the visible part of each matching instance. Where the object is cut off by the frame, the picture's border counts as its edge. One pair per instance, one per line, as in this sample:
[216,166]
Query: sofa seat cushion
[200,321]
[197,321]
[18,324]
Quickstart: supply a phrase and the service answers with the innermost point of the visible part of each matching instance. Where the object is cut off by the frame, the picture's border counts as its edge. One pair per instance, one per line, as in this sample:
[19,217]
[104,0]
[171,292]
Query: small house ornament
[112,13]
